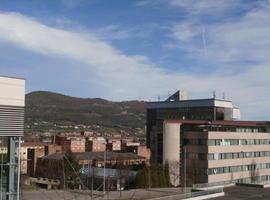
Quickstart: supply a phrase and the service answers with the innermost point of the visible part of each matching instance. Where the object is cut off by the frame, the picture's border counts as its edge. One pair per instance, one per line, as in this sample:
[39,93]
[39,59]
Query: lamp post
[104,169]
[185,168]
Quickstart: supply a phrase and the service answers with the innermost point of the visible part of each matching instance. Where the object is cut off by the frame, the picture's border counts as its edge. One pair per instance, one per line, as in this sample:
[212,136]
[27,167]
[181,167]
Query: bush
[153,176]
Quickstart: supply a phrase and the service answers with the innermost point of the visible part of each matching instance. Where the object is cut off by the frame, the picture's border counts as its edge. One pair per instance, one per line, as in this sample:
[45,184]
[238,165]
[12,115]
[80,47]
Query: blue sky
[128,49]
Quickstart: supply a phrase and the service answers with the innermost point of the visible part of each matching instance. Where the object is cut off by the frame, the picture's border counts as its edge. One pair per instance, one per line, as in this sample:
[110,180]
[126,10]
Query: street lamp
[104,169]
[185,167]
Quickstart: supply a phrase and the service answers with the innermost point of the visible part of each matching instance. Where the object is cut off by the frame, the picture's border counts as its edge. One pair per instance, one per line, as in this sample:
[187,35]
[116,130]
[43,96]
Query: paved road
[245,193]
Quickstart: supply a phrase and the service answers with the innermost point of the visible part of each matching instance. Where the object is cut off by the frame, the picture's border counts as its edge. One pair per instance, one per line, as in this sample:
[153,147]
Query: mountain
[50,109]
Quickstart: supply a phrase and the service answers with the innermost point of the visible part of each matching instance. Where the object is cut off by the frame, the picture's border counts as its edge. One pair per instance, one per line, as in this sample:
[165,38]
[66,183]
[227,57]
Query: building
[29,153]
[204,142]
[129,145]
[12,101]
[71,143]
[143,151]
[178,107]
[113,144]
[51,166]
[52,148]
[96,144]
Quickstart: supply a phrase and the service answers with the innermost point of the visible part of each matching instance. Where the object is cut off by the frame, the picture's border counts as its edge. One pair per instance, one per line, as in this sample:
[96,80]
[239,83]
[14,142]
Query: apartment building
[96,144]
[12,101]
[129,145]
[113,144]
[71,143]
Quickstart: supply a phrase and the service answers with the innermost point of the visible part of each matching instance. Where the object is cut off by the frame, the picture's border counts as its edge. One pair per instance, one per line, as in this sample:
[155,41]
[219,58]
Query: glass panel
[3,167]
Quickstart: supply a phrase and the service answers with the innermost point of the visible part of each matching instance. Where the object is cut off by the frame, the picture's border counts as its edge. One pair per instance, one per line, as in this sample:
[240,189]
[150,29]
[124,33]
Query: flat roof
[13,77]
[96,156]
[220,122]
[244,193]
[30,144]
[207,99]
[190,103]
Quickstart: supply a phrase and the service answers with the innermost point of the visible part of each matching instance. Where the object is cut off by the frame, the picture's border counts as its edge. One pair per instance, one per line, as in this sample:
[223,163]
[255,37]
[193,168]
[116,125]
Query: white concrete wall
[12,91]
[171,150]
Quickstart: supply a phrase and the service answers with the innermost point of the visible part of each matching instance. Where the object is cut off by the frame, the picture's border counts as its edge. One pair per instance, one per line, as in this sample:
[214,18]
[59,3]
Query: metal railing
[207,185]
[189,195]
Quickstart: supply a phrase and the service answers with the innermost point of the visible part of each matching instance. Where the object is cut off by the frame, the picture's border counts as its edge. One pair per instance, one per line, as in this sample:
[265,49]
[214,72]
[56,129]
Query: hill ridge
[56,108]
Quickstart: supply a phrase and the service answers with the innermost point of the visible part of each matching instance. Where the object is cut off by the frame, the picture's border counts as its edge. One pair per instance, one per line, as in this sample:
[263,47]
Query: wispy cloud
[241,39]
[128,77]
[184,32]
[205,6]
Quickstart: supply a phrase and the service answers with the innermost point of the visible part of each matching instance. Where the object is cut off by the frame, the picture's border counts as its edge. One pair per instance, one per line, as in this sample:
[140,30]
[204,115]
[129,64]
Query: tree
[70,170]
[153,176]
[253,172]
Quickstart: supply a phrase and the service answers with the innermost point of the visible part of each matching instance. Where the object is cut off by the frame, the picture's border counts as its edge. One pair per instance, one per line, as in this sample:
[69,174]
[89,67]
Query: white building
[12,100]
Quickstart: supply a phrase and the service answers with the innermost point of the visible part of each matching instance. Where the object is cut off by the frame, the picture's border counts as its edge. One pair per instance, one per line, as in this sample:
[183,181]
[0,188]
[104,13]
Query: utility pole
[185,167]
[92,181]
[104,172]
[64,176]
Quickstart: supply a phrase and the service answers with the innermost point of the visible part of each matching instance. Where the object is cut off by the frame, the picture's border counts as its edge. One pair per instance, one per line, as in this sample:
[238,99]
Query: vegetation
[47,110]
[71,171]
[153,176]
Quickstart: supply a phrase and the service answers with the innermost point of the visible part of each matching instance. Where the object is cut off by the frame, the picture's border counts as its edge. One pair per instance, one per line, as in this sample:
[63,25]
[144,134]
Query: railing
[224,183]
[189,195]
[207,185]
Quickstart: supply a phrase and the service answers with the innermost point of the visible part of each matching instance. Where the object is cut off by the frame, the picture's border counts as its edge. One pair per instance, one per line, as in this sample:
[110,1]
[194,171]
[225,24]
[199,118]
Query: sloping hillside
[54,108]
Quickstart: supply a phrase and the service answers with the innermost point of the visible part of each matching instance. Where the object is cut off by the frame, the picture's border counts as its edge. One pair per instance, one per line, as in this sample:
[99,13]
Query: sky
[141,49]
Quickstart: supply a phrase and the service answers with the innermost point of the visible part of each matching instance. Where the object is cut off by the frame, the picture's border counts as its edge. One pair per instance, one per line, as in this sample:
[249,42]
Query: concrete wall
[12,91]
[171,150]
[12,106]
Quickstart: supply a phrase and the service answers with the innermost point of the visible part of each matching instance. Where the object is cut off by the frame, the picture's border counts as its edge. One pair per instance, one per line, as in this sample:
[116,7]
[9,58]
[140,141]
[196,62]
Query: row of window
[226,142]
[254,130]
[251,167]
[236,155]
[223,156]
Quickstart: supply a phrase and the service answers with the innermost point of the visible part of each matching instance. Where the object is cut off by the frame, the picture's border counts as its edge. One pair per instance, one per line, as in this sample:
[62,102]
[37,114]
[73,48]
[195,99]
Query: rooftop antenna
[223,96]
[158,98]
[169,94]
[214,94]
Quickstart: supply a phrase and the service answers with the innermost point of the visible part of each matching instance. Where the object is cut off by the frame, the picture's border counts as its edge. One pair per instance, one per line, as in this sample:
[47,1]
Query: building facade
[204,142]
[71,143]
[12,101]
[96,144]
[29,153]
[182,109]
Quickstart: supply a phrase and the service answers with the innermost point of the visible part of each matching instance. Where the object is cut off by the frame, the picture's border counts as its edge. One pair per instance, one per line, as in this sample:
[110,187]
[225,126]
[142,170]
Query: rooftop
[221,122]
[191,103]
[30,144]
[12,77]
[97,156]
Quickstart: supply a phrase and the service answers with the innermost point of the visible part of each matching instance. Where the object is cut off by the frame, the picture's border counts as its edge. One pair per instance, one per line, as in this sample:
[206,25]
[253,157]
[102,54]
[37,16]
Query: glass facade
[8,167]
